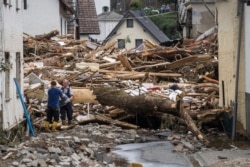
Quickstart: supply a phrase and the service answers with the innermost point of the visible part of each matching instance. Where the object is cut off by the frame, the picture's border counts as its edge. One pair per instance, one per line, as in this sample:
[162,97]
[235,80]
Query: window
[61,26]
[7,75]
[138,42]
[17,5]
[121,43]
[105,9]
[18,68]
[25,4]
[130,23]
[65,27]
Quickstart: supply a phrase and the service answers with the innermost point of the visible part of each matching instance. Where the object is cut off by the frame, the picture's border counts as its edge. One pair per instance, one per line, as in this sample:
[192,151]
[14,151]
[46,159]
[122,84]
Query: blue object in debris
[24,108]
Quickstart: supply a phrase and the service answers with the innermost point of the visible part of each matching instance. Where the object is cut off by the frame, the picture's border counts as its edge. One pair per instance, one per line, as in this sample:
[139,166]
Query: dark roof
[88,23]
[145,22]
[109,16]
[68,5]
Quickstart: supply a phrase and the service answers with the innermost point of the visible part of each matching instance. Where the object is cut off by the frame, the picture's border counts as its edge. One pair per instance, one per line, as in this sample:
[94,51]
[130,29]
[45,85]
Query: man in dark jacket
[66,109]
[53,109]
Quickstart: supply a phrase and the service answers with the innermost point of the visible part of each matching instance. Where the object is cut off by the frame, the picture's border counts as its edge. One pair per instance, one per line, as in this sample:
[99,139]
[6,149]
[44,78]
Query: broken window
[7,75]
[121,43]
[18,68]
[138,42]
[130,23]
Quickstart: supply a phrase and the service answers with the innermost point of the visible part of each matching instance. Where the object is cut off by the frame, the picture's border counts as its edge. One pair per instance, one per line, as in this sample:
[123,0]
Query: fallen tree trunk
[189,122]
[47,36]
[134,104]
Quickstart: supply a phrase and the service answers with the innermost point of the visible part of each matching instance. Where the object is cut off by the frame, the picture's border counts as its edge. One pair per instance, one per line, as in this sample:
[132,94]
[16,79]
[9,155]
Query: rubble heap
[179,81]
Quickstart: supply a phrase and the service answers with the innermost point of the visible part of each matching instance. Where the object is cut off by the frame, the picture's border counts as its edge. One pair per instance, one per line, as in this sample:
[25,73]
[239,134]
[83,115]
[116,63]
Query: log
[134,104]
[179,63]
[142,74]
[125,62]
[210,79]
[189,121]
[47,36]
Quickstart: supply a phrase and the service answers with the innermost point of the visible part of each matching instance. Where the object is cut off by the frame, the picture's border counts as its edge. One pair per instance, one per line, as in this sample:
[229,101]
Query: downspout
[235,108]
[77,21]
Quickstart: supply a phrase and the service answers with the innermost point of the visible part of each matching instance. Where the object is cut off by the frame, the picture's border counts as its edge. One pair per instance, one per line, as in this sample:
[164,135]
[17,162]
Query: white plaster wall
[247,46]
[105,28]
[228,29]
[136,32]
[41,16]
[12,42]
[202,20]
[100,4]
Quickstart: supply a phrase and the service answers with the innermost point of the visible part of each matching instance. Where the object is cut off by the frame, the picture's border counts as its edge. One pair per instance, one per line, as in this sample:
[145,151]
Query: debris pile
[89,145]
[117,85]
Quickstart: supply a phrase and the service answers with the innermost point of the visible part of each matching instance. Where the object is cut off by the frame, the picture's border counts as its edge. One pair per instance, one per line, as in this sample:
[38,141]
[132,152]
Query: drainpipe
[240,13]
[77,21]
[247,65]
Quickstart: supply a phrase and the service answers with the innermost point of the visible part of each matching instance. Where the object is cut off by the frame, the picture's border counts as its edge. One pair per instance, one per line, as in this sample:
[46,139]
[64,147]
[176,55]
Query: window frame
[138,41]
[7,75]
[130,23]
[121,44]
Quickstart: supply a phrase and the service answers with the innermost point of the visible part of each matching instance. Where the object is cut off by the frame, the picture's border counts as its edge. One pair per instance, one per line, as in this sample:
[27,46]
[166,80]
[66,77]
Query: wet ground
[222,151]
[153,154]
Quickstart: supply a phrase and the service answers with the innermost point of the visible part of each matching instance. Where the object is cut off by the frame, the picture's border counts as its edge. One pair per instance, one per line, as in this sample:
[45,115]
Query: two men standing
[59,102]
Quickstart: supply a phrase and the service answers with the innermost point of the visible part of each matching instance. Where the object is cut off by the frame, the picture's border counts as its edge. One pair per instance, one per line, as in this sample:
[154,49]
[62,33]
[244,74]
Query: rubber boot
[46,126]
[63,122]
[54,125]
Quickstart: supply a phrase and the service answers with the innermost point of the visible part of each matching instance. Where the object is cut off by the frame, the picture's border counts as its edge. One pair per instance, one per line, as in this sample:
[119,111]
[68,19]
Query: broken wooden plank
[179,63]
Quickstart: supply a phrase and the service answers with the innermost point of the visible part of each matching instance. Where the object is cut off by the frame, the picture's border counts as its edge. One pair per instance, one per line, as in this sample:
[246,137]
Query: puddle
[152,154]
[224,142]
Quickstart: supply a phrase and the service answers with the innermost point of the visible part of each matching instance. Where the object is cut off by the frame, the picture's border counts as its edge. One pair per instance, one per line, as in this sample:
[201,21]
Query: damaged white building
[11,66]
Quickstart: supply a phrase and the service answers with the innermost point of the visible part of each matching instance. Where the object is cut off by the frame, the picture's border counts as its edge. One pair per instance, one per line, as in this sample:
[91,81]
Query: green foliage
[167,1]
[4,66]
[127,39]
[167,23]
[135,5]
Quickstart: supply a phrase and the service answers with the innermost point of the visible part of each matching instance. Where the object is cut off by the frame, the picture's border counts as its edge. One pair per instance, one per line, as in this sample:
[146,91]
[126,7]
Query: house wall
[41,16]
[247,64]
[105,28]
[1,56]
[99,4]
[136,32]
[228,29]
[11,44]
[202,20]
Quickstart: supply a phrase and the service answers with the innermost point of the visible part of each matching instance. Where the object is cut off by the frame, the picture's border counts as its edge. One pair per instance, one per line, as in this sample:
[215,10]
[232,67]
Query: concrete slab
[210,157]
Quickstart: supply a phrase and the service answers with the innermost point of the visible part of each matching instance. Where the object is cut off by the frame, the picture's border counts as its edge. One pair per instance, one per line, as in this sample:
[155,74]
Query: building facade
[40,17]
[11,57]
[196,16]
[102,6]
[234,61]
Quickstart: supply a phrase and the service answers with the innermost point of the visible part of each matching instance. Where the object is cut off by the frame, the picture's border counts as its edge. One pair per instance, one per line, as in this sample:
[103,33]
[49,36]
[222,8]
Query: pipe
[24,108]
[241,11]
